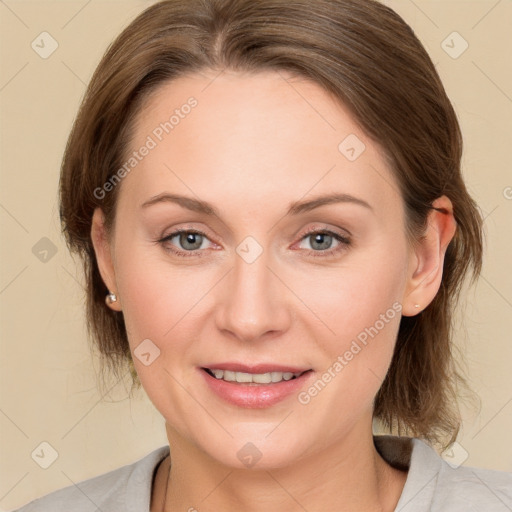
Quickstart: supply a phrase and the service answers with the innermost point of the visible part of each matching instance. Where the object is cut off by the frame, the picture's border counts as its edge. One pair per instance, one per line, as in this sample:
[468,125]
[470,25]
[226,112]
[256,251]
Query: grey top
[432,484]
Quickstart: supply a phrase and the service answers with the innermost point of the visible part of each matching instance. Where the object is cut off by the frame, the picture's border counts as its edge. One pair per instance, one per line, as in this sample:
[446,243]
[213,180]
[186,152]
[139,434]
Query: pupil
[190,238]
[324,240]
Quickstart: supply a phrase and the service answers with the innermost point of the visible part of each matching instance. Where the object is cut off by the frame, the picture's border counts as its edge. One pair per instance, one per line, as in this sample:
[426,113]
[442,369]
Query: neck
[349,476]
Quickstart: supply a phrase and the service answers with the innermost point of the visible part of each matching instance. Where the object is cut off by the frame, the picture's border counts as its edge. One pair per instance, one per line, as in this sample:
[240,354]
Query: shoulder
[444,486]
[473,489]
[126,488]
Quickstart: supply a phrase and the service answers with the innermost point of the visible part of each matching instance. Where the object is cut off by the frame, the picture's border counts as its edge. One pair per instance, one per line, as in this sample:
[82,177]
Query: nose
[253,302]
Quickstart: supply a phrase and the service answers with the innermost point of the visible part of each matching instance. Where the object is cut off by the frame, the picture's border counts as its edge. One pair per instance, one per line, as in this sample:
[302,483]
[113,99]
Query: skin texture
[254,144]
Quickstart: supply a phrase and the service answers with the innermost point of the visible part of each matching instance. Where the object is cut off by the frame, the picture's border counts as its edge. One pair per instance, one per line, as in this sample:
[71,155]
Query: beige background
[48,387]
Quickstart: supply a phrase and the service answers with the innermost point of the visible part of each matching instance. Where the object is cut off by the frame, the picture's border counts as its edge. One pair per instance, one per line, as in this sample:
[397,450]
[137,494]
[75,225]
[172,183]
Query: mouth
[254,387]
[253,378]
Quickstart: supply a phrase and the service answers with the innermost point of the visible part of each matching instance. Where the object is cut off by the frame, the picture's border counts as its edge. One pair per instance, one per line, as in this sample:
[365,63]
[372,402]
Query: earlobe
[104,258]
[427,259]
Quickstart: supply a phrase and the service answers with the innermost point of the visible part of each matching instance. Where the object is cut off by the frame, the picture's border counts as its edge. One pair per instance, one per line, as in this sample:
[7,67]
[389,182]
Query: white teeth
[229,376]
[262,378]
[243,377]
[218,373]
[276,376]
[257,378]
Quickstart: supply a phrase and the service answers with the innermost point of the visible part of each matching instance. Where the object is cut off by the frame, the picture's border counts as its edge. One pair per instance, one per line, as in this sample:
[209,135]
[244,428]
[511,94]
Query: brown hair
[369,59]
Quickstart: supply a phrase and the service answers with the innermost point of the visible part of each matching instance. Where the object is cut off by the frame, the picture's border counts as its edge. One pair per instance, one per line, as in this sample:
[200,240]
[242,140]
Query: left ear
[426,261]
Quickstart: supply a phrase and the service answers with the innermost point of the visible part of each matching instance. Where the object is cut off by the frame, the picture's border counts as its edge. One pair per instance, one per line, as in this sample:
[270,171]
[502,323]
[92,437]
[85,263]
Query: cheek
[351,297]
[359,306]
[161,303]
[158,299]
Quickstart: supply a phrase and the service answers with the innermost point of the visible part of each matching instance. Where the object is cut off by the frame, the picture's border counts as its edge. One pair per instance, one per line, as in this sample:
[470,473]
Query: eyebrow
[295,208]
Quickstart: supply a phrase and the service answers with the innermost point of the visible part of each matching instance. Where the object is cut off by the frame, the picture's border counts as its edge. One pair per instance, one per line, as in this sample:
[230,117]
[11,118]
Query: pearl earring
[110,298]
[416,305]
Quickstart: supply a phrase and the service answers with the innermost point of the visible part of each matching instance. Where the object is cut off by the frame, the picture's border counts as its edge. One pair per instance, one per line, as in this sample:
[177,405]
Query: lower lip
[255,396]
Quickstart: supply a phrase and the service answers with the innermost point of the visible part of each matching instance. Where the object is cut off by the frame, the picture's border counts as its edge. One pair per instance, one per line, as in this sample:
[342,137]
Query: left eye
[323,240]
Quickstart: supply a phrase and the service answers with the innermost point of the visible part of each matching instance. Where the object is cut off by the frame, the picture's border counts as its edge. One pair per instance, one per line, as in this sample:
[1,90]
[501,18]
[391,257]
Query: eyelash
[344,242]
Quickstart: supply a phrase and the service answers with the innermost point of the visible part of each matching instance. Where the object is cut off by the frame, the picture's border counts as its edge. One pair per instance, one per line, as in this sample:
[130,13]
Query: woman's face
[294,259]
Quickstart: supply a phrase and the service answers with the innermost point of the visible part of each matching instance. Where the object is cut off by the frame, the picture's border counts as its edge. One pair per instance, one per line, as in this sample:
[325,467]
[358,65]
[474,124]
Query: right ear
[103,253]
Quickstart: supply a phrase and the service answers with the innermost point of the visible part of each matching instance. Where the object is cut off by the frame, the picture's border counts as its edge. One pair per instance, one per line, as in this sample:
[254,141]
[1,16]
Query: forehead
[267,134]
[271,108]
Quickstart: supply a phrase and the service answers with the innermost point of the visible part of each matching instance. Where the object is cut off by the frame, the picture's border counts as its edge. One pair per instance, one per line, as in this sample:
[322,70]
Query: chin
[256,452]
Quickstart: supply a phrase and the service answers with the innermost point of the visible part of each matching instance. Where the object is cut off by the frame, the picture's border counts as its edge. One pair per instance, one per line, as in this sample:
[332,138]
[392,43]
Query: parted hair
[369,59]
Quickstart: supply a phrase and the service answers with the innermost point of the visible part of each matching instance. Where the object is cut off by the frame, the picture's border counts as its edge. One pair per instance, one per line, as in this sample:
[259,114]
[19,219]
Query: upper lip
[256,368]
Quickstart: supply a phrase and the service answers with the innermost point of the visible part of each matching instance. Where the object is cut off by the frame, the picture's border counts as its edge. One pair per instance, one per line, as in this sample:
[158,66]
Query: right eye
[190,241]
